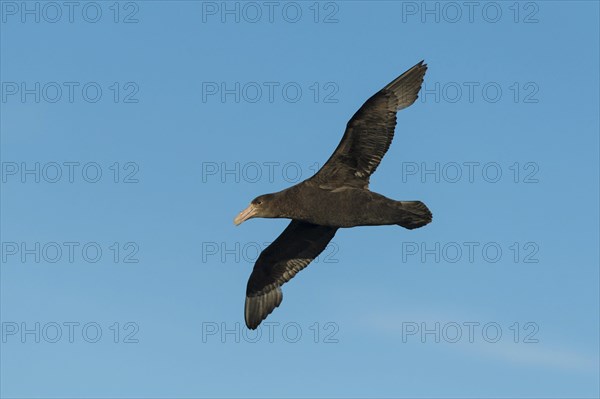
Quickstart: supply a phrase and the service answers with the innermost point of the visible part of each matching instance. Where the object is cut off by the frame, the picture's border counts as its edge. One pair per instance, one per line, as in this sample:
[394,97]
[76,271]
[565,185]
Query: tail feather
[414,214]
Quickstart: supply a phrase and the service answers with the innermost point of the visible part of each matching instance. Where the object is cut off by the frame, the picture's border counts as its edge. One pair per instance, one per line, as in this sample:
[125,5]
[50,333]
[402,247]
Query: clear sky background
[201,110]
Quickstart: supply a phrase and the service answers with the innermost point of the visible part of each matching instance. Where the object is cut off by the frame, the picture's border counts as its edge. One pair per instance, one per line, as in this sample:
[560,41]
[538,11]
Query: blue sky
[133,132]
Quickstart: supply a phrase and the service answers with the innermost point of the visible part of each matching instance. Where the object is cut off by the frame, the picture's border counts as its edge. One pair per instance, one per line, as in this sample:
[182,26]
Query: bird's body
[337,196]
[347,206]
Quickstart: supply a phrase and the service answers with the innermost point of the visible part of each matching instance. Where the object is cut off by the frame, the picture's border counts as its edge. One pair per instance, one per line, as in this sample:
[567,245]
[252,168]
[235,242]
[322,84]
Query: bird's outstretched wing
[291,252]
[370,131]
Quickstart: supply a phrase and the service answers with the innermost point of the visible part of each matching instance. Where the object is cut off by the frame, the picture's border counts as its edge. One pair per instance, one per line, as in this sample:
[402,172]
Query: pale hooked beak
[245,215]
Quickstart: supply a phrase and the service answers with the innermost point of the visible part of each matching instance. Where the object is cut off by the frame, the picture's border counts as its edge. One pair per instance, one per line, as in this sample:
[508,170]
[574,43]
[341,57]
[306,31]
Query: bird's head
[261,207]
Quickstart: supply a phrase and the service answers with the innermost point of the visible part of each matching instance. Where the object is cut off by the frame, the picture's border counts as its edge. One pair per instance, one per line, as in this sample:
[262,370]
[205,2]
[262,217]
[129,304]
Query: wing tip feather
[258,307]
[406,87]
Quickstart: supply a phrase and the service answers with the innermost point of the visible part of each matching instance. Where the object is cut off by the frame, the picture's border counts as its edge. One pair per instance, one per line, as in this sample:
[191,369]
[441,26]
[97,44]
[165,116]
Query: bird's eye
[258,202]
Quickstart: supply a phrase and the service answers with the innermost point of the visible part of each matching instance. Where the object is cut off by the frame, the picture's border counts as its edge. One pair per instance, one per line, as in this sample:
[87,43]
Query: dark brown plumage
[336,196]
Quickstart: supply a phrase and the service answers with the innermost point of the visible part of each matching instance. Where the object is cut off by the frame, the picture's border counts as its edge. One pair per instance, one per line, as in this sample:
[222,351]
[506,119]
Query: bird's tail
[413,214]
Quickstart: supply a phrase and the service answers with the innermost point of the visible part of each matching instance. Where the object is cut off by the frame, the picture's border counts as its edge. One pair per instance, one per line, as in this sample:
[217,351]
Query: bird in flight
[336,196]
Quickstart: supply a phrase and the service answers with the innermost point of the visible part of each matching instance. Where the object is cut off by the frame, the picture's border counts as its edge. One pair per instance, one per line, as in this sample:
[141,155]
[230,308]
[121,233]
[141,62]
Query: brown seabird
[336,196]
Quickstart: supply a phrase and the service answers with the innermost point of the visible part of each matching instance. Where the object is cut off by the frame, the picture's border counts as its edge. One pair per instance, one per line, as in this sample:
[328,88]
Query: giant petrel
[336,196]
